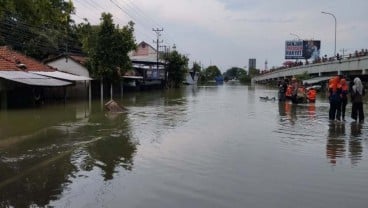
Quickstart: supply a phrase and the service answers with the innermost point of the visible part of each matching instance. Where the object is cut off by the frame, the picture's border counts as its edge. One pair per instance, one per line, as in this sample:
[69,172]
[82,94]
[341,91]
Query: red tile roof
[7,65]
[16,60]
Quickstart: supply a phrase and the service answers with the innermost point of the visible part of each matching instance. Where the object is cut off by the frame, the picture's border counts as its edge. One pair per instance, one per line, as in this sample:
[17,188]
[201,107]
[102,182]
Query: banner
[294,49]
[302,49]
[311,49]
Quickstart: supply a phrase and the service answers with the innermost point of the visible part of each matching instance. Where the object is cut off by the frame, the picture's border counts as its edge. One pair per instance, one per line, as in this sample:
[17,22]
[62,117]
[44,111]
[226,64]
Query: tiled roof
[7,65]
[20,61]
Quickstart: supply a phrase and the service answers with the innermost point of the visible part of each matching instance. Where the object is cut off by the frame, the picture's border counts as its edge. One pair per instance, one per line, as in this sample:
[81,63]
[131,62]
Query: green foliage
[87,34]
[210,73]
[196,67]
[253,72]
[37,28]
[303,76]
[109,48]
[234,73]
[177,66]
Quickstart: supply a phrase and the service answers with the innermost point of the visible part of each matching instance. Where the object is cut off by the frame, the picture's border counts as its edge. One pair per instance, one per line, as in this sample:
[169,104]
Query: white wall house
[73,64]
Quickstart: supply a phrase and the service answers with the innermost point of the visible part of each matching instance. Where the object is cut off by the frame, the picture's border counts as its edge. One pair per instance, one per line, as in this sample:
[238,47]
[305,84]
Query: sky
[227,33]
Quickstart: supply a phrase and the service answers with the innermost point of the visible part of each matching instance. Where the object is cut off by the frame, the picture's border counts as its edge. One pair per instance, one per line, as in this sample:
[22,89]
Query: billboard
[311,49]
[302,49]
[294,49]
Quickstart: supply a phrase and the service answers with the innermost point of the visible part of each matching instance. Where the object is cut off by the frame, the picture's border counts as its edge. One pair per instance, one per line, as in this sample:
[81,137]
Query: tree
[36,28]
[210,73]
[234,73]
[109,54]
[177,65]
[196,67]
[302,76]
[253,72]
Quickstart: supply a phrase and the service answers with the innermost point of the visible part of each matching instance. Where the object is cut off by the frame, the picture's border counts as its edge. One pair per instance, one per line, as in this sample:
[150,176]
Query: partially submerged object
[114,107]
[266,98]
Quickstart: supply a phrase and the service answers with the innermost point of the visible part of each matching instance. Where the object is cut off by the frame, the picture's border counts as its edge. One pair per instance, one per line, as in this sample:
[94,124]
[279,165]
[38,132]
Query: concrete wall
[69,66]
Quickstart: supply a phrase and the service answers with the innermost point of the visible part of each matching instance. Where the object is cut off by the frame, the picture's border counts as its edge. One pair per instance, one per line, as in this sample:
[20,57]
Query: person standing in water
[282,90]
[357,94]
[335,98]
[344,97]
[311,95]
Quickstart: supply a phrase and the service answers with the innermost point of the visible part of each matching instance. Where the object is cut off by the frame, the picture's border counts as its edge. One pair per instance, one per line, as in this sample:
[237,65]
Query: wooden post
[4,100]
[101,87]
[111,91]
[89,95]
[121,89]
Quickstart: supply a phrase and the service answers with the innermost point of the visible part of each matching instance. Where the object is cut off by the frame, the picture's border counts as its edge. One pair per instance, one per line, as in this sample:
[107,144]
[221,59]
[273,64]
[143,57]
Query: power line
[158,34]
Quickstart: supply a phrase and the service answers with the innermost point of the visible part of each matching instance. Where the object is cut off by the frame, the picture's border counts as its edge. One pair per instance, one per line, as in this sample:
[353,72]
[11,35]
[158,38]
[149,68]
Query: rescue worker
[344,97]
[294,88]
[311,95]
[301,94]
[282,90]
[289,92]
[334,90]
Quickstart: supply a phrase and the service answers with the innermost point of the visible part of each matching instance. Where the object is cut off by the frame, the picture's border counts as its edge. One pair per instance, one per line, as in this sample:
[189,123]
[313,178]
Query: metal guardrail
[336,66]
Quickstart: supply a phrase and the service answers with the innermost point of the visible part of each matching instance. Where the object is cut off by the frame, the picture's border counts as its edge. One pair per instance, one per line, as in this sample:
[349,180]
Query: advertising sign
[302,49]
[311,49]
[294,49]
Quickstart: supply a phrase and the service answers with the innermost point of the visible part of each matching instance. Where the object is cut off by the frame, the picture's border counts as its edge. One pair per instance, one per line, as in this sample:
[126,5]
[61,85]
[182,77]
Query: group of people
[296,92]
[338,91]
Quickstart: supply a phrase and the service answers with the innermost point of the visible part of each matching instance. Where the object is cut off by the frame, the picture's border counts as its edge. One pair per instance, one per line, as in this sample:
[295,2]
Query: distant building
[26,81]
[147,71]
[252,63]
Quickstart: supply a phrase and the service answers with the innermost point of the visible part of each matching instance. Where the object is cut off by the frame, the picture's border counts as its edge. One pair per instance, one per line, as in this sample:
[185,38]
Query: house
[149,69]
[191,78]
[26,81]
[73,65]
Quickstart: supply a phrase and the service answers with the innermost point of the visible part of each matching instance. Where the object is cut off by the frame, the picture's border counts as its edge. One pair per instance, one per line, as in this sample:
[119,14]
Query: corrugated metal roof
[133,77]
[32,79]
[62,75]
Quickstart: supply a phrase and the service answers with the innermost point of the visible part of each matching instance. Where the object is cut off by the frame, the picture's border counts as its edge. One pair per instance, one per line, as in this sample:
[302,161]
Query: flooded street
[205,146]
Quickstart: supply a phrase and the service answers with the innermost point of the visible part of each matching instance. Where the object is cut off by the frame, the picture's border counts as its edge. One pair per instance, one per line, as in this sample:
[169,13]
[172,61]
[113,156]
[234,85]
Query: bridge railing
[346,63]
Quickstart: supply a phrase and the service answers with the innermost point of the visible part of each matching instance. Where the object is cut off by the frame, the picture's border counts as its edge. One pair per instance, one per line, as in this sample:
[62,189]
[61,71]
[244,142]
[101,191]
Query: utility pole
[158,41]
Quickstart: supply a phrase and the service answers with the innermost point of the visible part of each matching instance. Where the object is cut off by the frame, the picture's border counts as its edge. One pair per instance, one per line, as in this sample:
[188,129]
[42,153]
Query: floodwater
[205,146]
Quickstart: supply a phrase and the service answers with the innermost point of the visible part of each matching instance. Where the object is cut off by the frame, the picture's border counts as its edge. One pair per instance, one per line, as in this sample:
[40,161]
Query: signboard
[302,49]
[294,49]
[311,49]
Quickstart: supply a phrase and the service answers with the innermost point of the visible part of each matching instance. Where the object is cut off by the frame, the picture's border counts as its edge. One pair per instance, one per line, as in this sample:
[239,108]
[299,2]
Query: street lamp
[297,36]
[335,27]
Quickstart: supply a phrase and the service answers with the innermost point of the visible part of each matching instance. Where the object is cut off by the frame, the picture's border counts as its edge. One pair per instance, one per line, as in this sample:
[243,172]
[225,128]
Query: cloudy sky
[227,33]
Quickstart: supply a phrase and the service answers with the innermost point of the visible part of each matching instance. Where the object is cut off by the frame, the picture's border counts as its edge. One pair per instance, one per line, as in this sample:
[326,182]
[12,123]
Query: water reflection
[355,143]
[312,111]
[336,145]
[288,110]
[40,151]
[160,113]
[114,149]
[337,139]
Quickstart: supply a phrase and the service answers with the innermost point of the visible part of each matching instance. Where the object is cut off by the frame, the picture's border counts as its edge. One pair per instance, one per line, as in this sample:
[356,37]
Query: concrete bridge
[356,66]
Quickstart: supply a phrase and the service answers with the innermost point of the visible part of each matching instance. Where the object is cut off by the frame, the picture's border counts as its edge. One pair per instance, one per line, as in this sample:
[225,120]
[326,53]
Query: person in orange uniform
[335,98]
[344,97]
[311,94]
[289,92]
